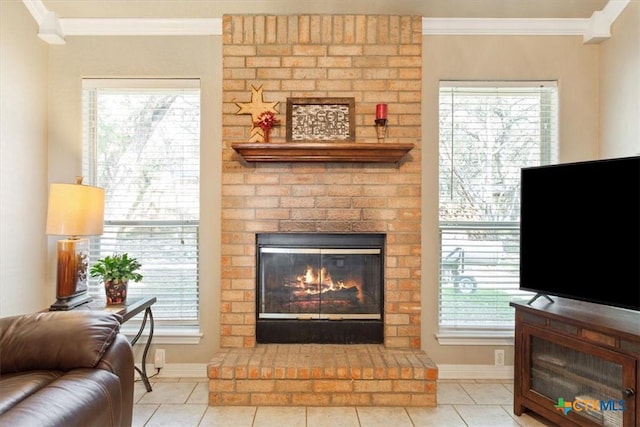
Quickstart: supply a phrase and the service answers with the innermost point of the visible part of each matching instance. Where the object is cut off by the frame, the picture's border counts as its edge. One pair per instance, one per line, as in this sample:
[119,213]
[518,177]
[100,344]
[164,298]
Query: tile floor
[182,402]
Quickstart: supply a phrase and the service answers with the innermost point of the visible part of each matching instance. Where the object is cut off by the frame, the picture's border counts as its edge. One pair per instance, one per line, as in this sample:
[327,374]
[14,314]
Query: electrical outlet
[499,357]
[158,359]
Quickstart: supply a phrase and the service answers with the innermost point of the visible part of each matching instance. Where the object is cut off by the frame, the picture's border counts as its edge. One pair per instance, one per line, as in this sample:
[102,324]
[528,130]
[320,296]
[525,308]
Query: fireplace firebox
[320,288]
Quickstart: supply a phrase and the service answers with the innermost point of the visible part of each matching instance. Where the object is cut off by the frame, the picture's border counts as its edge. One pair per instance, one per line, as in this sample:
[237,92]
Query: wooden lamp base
[71,280]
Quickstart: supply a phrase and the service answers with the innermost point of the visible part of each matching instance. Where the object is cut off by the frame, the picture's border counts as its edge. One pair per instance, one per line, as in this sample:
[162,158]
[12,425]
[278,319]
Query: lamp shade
[75,210]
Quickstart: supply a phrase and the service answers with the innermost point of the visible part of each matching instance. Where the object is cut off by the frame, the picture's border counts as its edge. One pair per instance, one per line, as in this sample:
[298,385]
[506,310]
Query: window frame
[165,332]
[494,334]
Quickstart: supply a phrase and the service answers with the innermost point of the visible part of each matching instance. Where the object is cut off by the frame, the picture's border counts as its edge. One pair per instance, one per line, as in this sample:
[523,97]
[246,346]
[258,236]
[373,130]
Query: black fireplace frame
[320,331]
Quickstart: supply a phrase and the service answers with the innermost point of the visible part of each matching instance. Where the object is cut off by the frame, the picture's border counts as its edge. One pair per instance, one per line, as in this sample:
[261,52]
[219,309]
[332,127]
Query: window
[141,143]
[488,132]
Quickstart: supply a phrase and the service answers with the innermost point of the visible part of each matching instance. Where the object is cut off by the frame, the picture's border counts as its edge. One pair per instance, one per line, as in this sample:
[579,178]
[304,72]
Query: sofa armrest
[61,340]
[118,359]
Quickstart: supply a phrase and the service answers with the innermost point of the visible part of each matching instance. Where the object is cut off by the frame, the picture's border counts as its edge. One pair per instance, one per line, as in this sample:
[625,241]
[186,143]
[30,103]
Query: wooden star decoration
[256,107]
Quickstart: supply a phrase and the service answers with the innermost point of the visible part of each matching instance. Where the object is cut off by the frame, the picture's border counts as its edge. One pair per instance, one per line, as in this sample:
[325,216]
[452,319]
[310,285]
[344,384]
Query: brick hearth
[322,375]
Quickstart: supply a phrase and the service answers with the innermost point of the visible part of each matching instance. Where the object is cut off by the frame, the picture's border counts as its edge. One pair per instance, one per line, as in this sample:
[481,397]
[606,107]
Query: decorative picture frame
[321,120]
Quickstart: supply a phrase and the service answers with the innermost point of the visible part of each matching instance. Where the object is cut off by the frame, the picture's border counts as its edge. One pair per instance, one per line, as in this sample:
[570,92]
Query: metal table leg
[143,372]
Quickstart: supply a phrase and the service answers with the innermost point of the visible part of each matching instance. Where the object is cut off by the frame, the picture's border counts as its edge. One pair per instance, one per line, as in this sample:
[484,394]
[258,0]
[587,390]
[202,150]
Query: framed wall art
[320,119]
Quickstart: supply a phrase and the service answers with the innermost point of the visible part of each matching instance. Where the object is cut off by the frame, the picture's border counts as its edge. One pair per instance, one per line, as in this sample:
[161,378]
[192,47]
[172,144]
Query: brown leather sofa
[69,368]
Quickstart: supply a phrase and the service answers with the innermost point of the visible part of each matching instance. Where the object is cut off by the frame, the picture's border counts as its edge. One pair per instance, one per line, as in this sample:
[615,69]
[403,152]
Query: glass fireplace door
[320,283]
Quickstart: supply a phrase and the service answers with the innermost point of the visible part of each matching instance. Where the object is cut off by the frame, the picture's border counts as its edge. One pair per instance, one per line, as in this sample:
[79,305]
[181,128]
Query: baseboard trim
[475,372]
[179,370]
[445,371]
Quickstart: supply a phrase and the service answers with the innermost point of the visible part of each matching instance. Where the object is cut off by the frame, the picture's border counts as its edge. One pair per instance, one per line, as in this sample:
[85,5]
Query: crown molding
[593,30]
[37,9]
[142,26]
[504,26]
[49,25]
[600,23]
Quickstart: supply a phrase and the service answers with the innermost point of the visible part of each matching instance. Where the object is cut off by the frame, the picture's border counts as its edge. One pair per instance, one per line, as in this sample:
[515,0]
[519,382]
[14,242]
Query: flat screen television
[580,231]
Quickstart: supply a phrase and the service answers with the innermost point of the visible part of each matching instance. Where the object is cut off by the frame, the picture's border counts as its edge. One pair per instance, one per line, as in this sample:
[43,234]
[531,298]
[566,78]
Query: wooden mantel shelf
[363,152]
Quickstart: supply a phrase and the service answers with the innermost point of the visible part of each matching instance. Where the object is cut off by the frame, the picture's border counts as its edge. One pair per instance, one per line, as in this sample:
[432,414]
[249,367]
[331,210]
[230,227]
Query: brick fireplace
[374,59]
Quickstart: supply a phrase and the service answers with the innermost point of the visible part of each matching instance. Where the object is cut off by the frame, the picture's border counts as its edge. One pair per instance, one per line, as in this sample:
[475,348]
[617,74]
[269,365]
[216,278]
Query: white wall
[23,163]
[159,57]
[598,84]
[565,59]
[620,86]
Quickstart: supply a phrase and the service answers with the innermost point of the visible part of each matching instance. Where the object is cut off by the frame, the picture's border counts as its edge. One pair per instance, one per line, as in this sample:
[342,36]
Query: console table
[129,309]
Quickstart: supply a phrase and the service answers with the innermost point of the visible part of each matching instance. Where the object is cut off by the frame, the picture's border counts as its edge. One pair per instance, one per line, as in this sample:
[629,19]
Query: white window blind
[488,132]
[141,142]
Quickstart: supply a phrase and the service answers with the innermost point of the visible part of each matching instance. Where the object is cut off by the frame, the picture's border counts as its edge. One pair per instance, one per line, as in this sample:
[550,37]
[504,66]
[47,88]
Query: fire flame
[314,283]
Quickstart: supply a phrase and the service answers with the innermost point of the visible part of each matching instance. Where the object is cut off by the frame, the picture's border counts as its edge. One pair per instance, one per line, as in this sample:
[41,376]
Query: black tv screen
[580,231]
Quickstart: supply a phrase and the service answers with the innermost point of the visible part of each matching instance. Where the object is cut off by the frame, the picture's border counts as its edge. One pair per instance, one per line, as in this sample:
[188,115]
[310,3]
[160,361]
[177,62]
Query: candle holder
[381,129]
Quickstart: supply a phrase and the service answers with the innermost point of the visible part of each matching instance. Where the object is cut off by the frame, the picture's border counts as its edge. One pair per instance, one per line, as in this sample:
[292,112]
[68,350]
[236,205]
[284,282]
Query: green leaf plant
[116,268]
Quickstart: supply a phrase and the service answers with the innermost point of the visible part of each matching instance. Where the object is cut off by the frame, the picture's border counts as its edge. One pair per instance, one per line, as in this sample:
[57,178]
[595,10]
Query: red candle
[381,111]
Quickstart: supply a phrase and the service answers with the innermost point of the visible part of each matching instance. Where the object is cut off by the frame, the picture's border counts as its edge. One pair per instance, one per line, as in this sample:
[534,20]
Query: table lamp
[75,210]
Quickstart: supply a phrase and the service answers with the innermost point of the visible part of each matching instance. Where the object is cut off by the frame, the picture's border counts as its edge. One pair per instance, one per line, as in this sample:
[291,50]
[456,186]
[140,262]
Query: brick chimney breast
[372,58]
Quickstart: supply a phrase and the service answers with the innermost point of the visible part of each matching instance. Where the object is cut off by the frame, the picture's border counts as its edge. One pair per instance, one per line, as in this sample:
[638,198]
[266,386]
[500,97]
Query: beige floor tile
[485,416]
[442,415]
[177,416]
[332,417]
[170,379]
[492,381]
[383,417]
[529,419]
[229,416]
[278,416]
[195,380]
[142,413]
[452,394]
[489,394]
[200,394]
[138,391]
[169,392]
[182,402]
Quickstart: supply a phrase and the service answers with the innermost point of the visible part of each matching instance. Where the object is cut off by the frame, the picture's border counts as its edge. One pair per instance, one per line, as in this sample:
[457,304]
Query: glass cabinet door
[581,380]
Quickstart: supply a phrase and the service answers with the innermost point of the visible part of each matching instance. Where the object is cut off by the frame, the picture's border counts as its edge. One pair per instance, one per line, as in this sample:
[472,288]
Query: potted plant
[116,270]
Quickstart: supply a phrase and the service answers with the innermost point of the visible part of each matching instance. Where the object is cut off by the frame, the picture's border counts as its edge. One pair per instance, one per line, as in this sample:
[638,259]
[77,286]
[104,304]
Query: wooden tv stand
[577,352]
